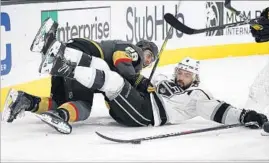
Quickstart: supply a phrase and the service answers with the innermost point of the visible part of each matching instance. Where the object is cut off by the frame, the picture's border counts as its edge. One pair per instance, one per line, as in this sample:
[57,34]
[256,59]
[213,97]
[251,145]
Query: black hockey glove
[260,30]
[143,84]
[253,116]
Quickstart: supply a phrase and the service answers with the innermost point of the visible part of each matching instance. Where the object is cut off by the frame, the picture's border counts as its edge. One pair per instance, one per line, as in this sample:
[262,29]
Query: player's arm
[223,112]
[124,65]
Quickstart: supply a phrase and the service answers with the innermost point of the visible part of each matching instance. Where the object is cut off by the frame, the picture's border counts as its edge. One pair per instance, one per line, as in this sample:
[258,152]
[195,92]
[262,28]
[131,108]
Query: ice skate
[53,119]
[45,36]
[15,104]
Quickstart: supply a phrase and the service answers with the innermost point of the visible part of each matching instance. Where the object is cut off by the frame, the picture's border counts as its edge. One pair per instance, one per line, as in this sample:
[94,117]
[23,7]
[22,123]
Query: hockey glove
[143,84]
[260,30]
[252,116]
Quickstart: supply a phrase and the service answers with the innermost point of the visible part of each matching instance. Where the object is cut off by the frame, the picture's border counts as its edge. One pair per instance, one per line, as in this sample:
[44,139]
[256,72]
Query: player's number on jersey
[132,53]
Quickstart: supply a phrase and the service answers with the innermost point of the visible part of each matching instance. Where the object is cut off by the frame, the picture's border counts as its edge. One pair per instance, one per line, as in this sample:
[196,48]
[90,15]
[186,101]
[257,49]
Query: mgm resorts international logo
[214,17]
[217,15]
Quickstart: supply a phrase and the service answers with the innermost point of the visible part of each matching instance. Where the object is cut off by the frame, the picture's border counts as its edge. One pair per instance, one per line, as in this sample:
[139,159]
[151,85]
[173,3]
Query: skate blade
[38,43]
[61,127]
[10,99]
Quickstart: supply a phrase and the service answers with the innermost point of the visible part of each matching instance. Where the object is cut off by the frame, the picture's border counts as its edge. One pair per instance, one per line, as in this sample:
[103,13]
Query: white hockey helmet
[191,65]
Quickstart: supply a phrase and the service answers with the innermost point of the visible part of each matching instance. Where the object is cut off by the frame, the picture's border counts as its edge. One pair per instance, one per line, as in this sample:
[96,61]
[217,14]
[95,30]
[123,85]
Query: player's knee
[90,77]
[108,82]
[113,84]
[73,55]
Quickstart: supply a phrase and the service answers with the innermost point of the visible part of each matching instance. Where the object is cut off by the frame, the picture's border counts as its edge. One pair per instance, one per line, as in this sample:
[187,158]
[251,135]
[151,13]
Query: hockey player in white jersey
[171,102]
[184,100]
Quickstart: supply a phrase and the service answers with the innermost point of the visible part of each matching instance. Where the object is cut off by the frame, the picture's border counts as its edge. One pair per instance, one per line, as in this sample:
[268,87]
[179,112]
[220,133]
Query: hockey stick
[139,140]
[170,19]
[161,51]
[228,5]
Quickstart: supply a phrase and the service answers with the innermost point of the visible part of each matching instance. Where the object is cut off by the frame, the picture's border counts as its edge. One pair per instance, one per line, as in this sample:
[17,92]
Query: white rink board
[131,21]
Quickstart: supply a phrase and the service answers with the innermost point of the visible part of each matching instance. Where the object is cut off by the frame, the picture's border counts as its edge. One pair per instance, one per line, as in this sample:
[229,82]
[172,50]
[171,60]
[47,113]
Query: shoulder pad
[168,88]
[132,51]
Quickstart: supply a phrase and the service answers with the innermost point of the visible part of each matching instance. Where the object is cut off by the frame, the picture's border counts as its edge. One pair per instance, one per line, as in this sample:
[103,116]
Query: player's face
[148,58]
[184,78]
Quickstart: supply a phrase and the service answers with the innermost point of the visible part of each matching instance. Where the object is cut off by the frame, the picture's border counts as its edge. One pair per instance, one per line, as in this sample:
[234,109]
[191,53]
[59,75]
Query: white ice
[229,79]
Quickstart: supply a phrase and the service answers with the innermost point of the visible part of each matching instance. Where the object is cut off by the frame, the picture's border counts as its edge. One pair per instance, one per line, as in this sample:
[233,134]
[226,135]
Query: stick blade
[174,22]
[134,141]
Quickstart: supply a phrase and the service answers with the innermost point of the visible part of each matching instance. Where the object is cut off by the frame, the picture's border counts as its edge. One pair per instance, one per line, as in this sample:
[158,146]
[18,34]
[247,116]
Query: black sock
[63,113]
[34,102]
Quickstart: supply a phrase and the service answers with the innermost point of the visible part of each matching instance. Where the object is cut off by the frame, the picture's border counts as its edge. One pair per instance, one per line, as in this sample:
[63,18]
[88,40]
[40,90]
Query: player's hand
[260,30]
[252,116]
[151,89]
[143,84]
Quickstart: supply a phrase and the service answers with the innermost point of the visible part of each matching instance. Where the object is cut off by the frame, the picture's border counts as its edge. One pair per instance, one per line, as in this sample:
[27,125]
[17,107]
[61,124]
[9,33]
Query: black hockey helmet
[148,45]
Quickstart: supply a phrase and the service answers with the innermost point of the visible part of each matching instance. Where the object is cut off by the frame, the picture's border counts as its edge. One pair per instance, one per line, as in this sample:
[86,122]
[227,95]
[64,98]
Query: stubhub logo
[5,62]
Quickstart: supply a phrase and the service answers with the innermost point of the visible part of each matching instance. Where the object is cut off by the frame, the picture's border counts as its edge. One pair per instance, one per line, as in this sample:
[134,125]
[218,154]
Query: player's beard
[182,85]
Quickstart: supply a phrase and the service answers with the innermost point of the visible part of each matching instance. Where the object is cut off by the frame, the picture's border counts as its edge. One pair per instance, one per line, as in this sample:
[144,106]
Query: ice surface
[28,139]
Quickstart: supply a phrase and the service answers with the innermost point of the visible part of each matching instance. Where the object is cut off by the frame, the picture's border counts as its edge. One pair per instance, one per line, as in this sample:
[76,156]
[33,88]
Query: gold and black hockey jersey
[121,56]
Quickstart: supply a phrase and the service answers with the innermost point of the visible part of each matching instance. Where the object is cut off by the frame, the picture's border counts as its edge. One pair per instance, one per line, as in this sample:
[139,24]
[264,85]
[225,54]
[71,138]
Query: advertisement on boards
[6,47]
[146,22]
[92,23]
[217,14]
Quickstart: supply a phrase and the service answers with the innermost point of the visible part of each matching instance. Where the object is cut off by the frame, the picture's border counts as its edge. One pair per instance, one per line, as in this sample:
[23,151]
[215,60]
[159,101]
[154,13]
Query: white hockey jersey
[181,105]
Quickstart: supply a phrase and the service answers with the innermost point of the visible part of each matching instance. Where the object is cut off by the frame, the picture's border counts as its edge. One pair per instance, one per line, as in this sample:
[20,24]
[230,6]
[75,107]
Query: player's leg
[108,82]
[127,104]
[131,108]
[84,59]
[113,85]
[77,51]
[73,56]
[18,101]
[89,47]
[72,111]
